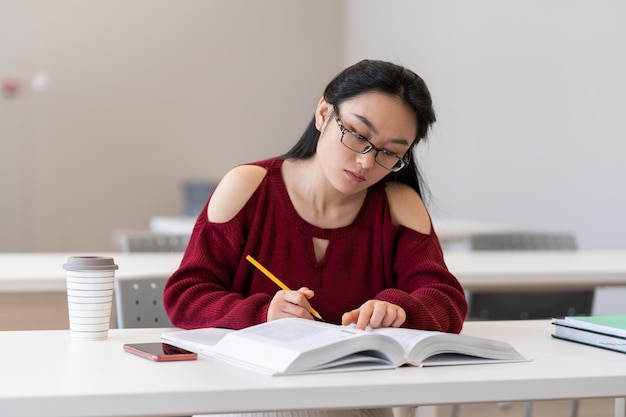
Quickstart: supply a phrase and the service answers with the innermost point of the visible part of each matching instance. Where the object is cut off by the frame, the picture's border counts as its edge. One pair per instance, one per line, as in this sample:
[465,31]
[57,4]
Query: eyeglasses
[357,143]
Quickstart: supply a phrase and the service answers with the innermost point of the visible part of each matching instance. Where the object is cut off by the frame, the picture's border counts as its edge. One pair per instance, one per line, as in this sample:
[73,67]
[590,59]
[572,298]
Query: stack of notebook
[608,332]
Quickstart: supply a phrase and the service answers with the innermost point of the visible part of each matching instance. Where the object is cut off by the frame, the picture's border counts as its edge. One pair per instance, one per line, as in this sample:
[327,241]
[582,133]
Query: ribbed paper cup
[90,282]
[101,311]
[90,293]
[90,306]
[89,300]
[89,273]
[89,286]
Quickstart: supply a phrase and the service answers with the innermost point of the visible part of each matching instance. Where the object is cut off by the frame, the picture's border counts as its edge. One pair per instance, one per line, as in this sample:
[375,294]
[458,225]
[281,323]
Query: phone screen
[160,351]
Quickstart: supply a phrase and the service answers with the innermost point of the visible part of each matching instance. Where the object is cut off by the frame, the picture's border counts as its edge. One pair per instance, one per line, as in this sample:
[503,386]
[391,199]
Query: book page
[408,338]
[591,338]
[197,340]
[289,346]
[291,332]
[298,345]
[438,348]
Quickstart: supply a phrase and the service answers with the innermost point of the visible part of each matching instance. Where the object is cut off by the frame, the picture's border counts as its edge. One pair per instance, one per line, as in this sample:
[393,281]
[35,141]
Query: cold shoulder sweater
[215,286]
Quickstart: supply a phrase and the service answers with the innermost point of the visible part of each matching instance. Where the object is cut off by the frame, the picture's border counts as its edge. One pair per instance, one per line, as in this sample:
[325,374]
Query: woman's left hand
[375,313]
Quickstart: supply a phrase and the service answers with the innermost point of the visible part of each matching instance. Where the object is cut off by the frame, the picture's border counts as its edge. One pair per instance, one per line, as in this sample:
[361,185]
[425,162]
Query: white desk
[32,285]
[24,272]
[532,270]
[449,231]
[46,374]
[172,224]
[43,272]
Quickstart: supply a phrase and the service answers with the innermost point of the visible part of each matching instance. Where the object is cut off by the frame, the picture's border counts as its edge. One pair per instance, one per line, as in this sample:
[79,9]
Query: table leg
[620,407]
[426,411]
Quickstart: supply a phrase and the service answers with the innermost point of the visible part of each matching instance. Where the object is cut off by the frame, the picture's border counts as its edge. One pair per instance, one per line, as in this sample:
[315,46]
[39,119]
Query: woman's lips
[355,176]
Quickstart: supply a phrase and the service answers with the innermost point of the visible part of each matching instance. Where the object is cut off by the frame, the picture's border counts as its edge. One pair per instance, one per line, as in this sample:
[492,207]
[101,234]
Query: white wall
[144,94]
[530,97]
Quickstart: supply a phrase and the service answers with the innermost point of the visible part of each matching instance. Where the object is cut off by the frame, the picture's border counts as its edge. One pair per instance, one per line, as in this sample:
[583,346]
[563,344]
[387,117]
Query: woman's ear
[323,114]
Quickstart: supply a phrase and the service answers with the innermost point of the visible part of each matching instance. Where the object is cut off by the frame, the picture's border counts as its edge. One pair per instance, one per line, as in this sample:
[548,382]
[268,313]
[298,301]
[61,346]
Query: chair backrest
[139,302]
[523,241]
[153,242]
[195,196]
[501,305]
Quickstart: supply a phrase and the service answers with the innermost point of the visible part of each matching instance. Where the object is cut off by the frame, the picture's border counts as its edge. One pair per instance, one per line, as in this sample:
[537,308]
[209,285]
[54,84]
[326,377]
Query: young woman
[339,219]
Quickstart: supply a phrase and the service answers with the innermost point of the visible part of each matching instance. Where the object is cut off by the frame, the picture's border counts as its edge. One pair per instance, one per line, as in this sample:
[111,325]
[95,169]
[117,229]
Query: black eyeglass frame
[403,161]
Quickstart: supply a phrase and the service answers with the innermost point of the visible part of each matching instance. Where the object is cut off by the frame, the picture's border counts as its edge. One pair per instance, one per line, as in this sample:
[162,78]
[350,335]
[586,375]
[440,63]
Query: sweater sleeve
[431,296]
[201,292]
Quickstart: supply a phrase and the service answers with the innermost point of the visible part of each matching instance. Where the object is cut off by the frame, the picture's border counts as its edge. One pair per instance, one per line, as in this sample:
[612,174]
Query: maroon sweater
[371,258]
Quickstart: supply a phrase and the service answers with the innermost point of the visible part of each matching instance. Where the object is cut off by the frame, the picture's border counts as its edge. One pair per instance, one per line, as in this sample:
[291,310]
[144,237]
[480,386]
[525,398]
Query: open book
[292,346]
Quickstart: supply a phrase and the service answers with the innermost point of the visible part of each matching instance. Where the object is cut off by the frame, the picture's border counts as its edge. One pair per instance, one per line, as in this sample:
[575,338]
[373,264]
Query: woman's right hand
[291,303]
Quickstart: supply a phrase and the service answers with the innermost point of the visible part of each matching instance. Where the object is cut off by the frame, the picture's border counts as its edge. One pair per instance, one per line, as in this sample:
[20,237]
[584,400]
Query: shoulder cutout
[234,191]
[407,208]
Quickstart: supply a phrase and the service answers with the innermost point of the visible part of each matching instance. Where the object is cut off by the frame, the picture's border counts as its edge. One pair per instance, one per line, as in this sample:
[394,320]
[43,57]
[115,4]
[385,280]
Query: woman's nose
[367,160]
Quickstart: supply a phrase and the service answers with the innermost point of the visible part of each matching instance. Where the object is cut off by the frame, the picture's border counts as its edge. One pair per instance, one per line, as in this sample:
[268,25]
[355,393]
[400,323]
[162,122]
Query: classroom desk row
[33,291]
[449,231]
[48,374]
[28,279]
[536,270]
[43,272]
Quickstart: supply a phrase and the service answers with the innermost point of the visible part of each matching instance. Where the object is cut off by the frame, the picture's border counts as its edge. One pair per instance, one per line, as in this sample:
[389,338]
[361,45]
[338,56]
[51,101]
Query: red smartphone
[160,352]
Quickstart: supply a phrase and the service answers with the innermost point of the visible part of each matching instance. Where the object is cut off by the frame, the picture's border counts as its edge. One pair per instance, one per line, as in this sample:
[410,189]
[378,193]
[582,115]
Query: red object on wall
[10,86]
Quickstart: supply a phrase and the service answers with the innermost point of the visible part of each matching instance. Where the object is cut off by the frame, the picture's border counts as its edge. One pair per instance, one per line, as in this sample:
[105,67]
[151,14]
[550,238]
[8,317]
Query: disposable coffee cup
[90,281]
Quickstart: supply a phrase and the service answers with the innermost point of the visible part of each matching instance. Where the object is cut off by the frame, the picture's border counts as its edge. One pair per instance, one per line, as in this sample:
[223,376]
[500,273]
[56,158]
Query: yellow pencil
[277,281]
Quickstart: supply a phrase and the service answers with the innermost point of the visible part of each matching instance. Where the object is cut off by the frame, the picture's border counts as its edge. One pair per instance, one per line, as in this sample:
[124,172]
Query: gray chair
[153,242]
[501,305]
[139,302]
[522,241]
[195,196]
[495,305]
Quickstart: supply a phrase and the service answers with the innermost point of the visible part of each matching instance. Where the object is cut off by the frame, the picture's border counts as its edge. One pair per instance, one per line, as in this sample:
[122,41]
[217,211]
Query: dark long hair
[377,76]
